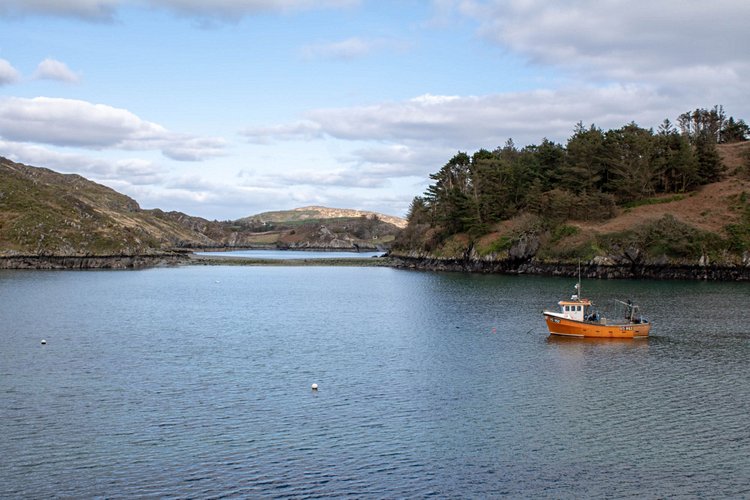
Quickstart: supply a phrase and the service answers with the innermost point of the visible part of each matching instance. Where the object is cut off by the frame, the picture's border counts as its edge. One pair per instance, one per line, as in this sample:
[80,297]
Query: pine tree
[583,169]
[630,162]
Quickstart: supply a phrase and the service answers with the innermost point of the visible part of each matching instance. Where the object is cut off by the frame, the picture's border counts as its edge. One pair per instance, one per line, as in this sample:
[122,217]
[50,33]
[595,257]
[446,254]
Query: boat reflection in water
[569,341]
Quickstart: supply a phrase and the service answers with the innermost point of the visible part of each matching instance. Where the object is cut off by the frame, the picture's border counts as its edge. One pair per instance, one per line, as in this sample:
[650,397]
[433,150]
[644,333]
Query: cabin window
[578,308]
[567,308]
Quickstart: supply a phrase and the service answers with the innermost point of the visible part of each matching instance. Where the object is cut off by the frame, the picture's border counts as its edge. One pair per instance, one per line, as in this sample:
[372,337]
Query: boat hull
[572,328]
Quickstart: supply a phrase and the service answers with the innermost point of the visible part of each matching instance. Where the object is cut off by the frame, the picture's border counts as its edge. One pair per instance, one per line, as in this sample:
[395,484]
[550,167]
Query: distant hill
[45,213]
[322,227]
[317,213]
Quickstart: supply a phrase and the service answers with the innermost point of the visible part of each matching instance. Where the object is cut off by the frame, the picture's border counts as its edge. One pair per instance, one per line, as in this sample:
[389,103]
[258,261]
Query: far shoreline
[184,257]
[229,260]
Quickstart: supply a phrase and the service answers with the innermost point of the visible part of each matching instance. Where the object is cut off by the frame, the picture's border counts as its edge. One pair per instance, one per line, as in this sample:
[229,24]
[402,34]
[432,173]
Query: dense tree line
[587,178]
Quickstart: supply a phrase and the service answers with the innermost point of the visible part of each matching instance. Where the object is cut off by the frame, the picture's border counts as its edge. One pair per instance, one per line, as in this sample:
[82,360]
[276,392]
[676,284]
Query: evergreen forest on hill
[593,177]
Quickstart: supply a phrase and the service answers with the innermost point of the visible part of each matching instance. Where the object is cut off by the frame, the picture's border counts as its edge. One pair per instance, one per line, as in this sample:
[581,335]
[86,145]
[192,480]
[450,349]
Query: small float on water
[577,318]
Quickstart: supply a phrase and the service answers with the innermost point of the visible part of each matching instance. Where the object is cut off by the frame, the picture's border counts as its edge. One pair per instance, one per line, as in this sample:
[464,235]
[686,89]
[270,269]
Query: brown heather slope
[709,208]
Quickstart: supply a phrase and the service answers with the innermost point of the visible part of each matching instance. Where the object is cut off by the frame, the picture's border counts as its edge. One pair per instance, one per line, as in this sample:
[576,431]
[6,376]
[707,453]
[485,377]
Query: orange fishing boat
[576,318]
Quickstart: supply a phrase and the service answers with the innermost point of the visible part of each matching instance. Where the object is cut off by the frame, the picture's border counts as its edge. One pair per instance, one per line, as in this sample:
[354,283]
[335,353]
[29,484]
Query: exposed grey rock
[525,248]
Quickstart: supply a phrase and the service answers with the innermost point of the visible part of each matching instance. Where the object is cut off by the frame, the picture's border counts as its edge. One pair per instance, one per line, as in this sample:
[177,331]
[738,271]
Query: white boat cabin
[575,308]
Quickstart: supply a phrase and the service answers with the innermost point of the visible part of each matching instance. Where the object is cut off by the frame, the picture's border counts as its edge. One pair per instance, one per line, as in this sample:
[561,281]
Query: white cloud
[444,14]
[90,10]
[211,198]
[69,122]
[430,99]
[398,160]
[105,10]
[138,172]
[391,142]
[127,171]
[45,157]
[473,122]
[8,74]
[375,166]
[351,48]
[75,123]
[235,9]
[183,147]
[51,69]
[694,53]
[335,177]
[621,39]
[301,130]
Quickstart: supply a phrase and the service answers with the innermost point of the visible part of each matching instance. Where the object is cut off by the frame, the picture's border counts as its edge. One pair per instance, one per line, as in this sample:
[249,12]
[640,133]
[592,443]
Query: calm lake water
[293,254]
[195,382]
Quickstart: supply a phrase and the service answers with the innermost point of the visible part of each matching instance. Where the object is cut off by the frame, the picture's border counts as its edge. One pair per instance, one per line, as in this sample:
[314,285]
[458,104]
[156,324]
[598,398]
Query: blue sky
[227,108]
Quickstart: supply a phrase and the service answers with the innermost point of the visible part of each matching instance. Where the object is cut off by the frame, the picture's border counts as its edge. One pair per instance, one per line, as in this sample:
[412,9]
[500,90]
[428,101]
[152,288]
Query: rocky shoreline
[588,270]
[176,258]
[91,262]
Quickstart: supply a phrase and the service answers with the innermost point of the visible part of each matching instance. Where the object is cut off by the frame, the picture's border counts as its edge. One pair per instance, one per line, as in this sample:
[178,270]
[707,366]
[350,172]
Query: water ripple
[161,384]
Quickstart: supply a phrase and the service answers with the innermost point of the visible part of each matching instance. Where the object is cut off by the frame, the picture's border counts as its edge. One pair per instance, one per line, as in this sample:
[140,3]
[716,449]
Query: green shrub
[563,231]
[496,246]
[653,201]
[739,233]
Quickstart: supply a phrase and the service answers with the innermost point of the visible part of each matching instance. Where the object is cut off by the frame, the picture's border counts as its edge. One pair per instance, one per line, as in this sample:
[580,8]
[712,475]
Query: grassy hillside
[46,213]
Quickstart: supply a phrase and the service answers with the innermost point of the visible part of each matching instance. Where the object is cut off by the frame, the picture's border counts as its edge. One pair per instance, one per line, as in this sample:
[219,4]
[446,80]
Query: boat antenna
[580,294]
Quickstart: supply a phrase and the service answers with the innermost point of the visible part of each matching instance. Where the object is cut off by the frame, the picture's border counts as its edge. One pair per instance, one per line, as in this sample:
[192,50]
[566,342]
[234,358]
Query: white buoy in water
[315,387]
[44,342]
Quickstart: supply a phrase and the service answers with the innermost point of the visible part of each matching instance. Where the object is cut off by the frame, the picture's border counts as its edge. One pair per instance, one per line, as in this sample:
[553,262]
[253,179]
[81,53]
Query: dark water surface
[195,382]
